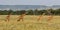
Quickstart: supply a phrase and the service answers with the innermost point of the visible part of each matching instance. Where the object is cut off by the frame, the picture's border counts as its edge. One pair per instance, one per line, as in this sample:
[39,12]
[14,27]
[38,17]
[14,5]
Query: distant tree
[10,11]
[36,12]
[30,12]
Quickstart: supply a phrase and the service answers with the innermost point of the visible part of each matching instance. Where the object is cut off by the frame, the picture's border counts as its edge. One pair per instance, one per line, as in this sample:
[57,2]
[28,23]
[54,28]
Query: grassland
[29,23]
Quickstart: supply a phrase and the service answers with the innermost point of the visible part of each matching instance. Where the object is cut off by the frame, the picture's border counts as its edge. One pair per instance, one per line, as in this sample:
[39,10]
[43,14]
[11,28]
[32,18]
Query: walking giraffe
[8,16]
[50,16]
[21,17]
[40,17]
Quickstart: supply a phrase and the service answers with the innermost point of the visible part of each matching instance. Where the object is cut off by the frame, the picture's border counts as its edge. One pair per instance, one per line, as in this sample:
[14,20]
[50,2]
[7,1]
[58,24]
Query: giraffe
[40,17]
[8,16]
[21,17]
[50,16]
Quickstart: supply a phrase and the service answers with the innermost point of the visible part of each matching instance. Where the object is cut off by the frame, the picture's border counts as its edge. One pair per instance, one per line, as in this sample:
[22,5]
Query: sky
[30,2]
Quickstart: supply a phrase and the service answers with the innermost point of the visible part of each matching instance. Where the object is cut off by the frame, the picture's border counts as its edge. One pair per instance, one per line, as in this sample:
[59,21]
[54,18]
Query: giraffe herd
[21,17]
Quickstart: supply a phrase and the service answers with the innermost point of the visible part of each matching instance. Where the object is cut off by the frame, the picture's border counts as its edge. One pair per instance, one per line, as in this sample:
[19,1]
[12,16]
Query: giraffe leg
[39,19]
[22,19]
[18,19]
[50,18]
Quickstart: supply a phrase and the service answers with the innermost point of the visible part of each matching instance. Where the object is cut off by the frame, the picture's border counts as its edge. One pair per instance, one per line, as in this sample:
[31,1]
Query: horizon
[45,5]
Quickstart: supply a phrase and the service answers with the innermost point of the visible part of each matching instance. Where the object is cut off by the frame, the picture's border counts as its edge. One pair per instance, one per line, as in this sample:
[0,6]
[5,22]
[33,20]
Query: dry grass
[29,23]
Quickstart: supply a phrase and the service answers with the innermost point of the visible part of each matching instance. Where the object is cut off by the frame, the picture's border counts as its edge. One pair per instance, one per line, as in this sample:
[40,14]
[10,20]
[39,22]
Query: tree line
[30,12]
